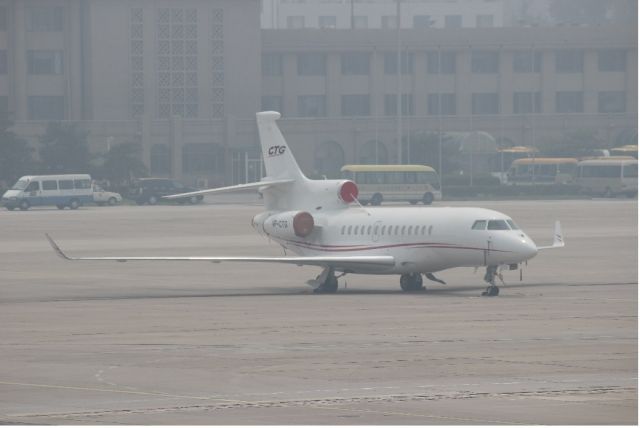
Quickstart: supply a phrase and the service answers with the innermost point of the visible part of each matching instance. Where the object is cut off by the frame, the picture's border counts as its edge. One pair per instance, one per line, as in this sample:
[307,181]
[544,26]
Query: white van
[66,190]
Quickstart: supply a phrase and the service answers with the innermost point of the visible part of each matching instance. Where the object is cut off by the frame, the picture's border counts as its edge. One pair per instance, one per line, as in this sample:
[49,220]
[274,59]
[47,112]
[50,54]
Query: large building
[185,77]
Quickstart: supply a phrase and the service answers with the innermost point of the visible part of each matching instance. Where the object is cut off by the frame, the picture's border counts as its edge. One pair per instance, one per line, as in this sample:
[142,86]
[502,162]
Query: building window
[44,62]
[202,158]
[312,106]
[423,21]
[271,64]
[46,107]
[160,159]
[569,61]
[389,22]
[356,105]
[3,18]
[526,102]
[527,62]
[611,102]
[391,62]
[485,103]
[453,21]
[483,62]
[441,104]
[327,22]
[406,102]
[355,63]
[612,60]
[44,18]
[569,102]
[441,62]
[3,62]
[271,103]
[360,22]
[295,22]
[484,21]
[312,64]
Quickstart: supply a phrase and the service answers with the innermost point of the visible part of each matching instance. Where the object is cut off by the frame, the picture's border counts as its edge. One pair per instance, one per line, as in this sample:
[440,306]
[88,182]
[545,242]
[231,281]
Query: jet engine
[348,191]
[289,225]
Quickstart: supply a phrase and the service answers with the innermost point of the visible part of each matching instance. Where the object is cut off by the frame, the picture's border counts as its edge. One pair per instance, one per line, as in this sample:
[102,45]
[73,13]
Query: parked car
[102,197]
[65,190]
[151,190]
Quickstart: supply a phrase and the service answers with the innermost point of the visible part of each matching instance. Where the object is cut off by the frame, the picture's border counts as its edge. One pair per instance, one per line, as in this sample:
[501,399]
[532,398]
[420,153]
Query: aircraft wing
[558,238]
[236,188]
[339,262]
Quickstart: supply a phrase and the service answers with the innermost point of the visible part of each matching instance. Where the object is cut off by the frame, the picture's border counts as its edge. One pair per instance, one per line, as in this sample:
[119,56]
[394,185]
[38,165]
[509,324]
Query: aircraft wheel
[330,285]
[411,282]
[491,291]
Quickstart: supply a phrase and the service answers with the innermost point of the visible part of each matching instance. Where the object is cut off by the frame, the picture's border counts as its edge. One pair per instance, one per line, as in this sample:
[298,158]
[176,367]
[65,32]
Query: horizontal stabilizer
[228,189]
[558,238]
[337,262]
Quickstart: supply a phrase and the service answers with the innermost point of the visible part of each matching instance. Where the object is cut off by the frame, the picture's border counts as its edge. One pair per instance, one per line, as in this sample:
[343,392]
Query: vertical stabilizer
[278,159]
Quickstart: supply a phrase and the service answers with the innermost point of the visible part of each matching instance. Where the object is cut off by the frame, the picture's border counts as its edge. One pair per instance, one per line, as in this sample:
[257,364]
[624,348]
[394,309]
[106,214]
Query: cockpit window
[479,225]
[498,225]
[513,225]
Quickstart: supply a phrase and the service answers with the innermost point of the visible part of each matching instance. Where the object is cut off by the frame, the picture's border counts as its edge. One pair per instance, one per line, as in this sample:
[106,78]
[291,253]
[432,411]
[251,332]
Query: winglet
[57,249]
[558,238]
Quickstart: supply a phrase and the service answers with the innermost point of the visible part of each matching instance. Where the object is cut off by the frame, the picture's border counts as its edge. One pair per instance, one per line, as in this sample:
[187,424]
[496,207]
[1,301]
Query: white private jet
[324,224]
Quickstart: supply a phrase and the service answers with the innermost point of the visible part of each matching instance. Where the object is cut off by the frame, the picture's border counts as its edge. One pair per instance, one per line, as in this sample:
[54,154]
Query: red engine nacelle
[289,224]
[348,192]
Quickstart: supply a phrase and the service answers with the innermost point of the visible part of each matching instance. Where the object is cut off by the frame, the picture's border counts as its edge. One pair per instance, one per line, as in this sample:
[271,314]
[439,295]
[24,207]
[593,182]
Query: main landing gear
[326,282]
[411,282]
[490,278]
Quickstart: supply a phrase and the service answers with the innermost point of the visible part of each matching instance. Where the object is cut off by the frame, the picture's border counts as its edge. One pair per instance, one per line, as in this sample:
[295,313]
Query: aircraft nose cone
[529,248]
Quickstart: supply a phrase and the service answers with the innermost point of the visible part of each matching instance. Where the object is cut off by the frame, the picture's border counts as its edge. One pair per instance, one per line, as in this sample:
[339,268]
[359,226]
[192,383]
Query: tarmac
[201,343]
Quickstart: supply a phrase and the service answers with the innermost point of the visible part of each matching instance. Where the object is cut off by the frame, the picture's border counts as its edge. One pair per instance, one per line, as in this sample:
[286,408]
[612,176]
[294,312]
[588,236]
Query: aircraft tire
[411,282]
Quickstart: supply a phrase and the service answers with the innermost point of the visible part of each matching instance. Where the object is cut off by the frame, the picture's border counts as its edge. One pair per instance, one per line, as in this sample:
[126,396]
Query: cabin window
[402,230]
[397,229]
[513,225]
[424,230]
[50,185]
[369,230]
[417,230]
[409,230]
[498,225]
[33,186]
[383,230]
[362,230]
[355,230]
[430,229]
[65,184]
[375,229]
[349,230]
[479,225]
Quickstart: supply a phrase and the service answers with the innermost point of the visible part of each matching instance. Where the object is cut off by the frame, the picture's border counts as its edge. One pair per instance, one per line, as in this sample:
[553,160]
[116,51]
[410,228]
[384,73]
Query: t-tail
[285,187]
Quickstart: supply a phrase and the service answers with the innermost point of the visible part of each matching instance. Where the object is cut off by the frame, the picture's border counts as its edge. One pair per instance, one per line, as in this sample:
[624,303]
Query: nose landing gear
[490,278]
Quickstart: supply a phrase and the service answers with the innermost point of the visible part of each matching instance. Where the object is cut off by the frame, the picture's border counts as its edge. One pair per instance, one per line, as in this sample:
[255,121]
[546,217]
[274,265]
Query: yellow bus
[542,170]
[609,176]
[377,183]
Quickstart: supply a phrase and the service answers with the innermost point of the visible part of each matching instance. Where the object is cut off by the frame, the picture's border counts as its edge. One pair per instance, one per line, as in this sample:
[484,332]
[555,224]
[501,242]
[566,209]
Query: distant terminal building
[184,79]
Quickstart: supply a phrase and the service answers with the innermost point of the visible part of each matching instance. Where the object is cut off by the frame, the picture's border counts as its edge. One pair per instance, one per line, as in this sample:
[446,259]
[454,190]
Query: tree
[16,157]
[573,144]
[64,149]
[425,150]
[122,163]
